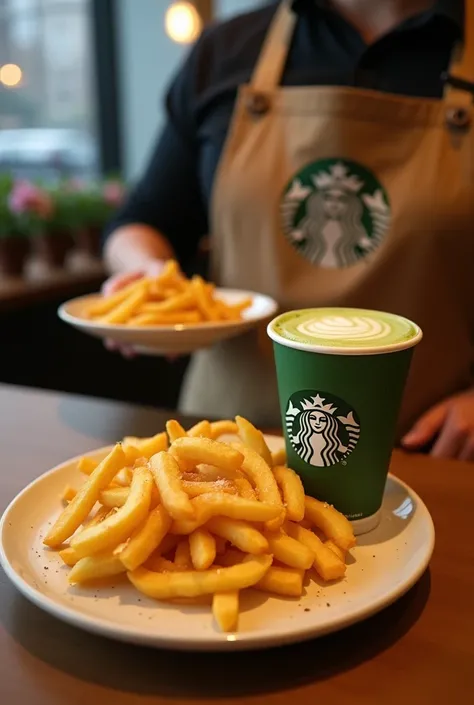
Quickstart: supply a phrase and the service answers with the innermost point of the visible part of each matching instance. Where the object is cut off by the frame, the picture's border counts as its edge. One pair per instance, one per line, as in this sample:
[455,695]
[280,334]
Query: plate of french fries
[169,314]
[203,539]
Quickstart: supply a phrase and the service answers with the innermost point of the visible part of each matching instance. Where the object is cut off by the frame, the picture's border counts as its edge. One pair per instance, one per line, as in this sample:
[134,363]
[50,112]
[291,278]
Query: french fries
[167,476]
[205,450]
[264,480]
[225,608]
[293,492]
[146,539]
[119,526]
[326,562]
[183,514]
[202,545]
[166,300]
[81,505]
[334,524]
[253,438]
[166,586]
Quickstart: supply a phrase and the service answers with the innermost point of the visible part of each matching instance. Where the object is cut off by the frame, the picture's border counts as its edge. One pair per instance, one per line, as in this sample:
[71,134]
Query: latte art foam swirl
[356,328]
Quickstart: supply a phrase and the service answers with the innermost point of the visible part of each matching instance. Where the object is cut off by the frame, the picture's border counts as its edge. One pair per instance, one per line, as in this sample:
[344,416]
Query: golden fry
[102,565]
[217,504]
[223,428]
[244,488]
[114,496]
[167,476]
[106,304]
[80,507]
[262,477]
[196,488]
[282,581]
[334,524]
[279,457]
[335,549]
[326,562]
[203,549]
[253,438]
[225,608]
[205,450]
[68,493]
[182,556]
[203,299]
[203,428]
[124,477]
[166,586]
[240,534]
[121,313]
[289,551]
[146,447]
[119,526]
[293,492]
[174,430]
[87,466]
[146,539]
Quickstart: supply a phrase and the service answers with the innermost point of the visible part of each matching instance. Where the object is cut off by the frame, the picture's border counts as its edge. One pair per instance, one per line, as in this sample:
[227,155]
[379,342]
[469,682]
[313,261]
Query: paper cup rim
[348,351]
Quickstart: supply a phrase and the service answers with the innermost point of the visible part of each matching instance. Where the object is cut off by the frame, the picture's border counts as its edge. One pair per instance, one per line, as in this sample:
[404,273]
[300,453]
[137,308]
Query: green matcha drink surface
[340,328]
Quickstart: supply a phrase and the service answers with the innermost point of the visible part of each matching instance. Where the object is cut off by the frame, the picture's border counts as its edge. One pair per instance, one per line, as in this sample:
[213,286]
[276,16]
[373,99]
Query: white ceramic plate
[173,339]
[384,565]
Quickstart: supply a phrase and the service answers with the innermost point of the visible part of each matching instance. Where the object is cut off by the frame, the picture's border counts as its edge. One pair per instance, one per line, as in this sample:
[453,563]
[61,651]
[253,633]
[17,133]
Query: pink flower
[113,193]
[26,198]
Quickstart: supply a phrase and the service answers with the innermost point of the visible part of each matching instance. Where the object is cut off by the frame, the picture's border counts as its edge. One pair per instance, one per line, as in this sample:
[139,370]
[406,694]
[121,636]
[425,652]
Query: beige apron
[386,222]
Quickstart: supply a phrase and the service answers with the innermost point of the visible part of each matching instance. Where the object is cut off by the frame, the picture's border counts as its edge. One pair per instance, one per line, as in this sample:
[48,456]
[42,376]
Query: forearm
[132,247]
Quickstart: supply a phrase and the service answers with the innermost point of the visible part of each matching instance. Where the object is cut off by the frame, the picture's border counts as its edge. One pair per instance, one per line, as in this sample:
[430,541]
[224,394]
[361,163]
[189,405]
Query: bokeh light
[183,22]
[10,75]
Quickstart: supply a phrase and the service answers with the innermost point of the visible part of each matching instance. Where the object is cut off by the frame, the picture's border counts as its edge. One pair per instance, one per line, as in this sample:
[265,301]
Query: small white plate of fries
[204,540]
[169,314]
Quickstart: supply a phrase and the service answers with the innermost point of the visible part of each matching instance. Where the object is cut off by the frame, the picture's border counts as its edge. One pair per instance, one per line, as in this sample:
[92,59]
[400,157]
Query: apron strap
[462,66]
[270,65]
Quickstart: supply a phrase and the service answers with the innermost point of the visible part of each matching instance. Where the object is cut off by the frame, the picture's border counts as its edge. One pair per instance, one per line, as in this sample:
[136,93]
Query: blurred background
[82,84]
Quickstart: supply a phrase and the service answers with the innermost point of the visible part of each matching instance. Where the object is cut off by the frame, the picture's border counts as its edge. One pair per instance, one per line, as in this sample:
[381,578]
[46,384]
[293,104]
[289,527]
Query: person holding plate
[328,149]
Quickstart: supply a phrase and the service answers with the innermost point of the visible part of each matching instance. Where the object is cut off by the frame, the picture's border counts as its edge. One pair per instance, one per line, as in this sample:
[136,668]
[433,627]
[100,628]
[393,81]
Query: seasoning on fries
[166,300]
[184,514]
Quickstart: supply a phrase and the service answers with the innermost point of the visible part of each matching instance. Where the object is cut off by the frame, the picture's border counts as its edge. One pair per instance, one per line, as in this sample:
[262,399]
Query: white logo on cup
[320,431]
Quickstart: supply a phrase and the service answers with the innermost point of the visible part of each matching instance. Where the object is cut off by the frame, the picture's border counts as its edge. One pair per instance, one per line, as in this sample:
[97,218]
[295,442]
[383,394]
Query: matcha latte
[345,331]
[341,375]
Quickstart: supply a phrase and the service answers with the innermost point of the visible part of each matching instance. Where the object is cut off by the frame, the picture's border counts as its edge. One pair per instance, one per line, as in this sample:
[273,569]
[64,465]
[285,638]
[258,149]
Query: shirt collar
[453,9]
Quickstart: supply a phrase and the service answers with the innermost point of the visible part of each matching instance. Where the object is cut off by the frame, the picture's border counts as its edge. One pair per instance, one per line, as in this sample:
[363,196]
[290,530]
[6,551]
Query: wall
[227,8]
[147,61]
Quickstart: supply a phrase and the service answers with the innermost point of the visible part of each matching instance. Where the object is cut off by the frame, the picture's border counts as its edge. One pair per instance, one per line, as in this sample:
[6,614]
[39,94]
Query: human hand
[119,281]
[452,421]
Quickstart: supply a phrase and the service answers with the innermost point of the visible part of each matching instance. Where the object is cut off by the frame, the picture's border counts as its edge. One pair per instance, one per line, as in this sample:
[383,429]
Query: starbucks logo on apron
[335,212]
[322,429]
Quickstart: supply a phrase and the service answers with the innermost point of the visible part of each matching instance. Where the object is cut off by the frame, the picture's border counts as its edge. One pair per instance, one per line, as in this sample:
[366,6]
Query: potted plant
[94,206]
[33,209]
[14,245]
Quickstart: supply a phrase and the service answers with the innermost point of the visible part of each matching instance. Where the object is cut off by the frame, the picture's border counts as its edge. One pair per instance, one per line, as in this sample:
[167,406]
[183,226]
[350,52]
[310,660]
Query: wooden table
[419,651]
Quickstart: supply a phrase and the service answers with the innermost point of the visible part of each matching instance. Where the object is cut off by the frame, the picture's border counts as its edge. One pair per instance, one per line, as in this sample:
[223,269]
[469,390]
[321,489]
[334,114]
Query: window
[48,110]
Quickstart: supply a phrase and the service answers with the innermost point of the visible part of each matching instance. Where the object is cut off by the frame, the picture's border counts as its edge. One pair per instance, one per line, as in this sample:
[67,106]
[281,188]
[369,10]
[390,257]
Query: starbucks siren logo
[335,212]
[322,429]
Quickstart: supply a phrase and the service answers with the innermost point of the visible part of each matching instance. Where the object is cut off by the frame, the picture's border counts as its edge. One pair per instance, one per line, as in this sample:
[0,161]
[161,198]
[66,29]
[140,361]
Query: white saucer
[174,339]
[383,566]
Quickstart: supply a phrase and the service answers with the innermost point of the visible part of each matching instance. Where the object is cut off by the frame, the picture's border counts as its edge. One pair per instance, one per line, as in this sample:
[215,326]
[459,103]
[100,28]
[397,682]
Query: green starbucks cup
[341,374]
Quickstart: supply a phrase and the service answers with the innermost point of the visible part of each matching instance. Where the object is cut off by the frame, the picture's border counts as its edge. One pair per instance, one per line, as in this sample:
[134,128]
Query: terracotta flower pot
[89,240]
[52,248]
[13,254]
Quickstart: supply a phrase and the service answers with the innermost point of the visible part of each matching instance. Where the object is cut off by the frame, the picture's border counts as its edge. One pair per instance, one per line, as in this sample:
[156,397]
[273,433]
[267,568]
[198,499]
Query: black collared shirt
[174,193]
